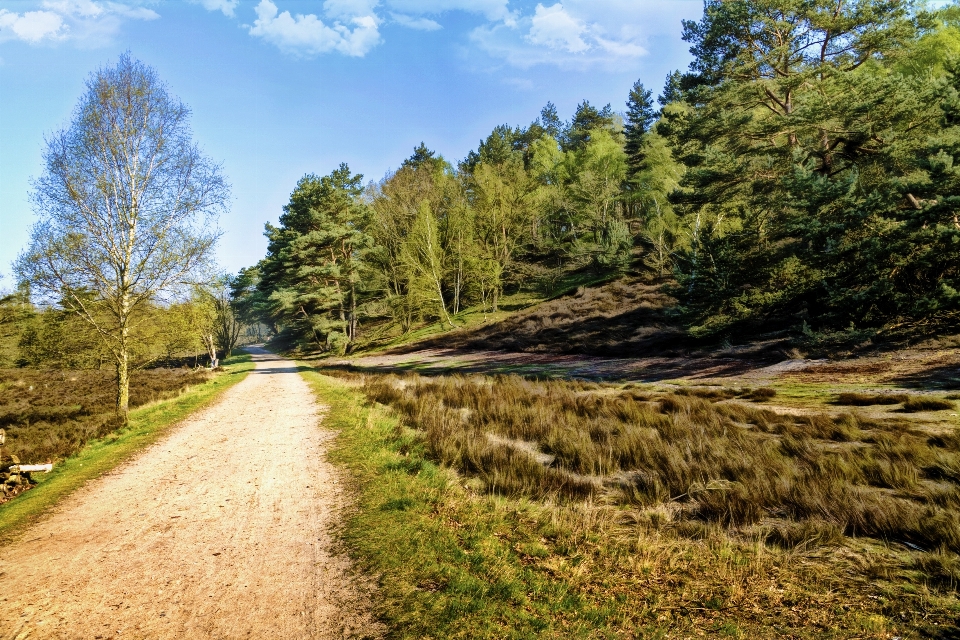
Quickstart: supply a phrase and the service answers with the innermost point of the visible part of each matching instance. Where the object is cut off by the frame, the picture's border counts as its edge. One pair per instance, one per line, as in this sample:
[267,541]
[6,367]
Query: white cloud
[85,22]
[308,35]
[585,33]
[557,29]
[79,8]
[30,26]
[88,9]
[578,33]
[225,7]
[135,13]
[423,24]
[620,49]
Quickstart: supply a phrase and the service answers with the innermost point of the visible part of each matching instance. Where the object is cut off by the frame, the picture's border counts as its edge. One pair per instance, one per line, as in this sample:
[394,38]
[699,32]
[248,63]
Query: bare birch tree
[126,207]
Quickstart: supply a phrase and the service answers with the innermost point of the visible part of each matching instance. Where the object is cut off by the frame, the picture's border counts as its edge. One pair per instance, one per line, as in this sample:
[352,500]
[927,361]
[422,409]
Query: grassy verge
[448,564]
[147,425]
[458,560]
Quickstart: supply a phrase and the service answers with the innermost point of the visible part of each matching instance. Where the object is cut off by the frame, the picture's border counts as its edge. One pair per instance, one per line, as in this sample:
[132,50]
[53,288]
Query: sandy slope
[222,530]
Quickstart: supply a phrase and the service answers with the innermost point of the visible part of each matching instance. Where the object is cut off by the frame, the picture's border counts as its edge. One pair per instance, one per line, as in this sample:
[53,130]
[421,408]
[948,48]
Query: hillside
[627,318]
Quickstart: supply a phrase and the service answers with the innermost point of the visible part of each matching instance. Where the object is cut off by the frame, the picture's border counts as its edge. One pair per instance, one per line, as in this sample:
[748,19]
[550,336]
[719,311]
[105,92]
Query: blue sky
[280,88]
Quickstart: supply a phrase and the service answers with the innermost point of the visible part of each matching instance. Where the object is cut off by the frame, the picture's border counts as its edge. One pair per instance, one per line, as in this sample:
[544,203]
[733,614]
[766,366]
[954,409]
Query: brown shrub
[868,399]
[761,394]
[812,532]
[709,393]
[941,568]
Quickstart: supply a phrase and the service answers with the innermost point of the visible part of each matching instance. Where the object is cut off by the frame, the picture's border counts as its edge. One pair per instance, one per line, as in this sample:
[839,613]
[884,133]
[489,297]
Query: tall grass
[520,540]
[727,463]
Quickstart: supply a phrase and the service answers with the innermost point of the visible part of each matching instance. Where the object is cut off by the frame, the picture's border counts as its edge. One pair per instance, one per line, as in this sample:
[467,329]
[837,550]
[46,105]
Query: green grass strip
[452,563]
[147,425]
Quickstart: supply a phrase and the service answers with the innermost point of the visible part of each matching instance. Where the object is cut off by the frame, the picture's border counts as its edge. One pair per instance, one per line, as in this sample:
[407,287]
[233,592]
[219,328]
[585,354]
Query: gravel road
[221,530]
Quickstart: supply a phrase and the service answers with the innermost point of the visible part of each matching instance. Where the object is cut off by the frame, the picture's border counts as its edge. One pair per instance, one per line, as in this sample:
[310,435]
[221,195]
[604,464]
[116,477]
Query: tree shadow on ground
[541,365]
[945,377]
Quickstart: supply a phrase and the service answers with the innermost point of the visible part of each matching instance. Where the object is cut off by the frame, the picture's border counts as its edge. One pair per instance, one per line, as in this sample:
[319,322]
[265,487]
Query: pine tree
[312,272]
[793,129]
[586,119]
[672,89]
[550,120]
[423,158]
[640,118]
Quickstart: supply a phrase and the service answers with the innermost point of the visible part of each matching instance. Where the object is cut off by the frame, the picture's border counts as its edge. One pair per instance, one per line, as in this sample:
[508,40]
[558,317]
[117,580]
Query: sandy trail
[221,530]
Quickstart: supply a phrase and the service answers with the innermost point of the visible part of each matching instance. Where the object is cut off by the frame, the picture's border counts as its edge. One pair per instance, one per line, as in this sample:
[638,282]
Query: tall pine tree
[640,118]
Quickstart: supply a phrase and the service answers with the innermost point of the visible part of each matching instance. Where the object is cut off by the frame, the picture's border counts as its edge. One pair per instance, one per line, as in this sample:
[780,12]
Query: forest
[799,177]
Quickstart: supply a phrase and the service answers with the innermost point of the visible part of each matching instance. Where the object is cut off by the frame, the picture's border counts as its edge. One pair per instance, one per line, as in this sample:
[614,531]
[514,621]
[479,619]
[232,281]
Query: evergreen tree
[550,121]
[791,106]
[672,91]
[423,158]
[586,119]
[312,272]
[640,118]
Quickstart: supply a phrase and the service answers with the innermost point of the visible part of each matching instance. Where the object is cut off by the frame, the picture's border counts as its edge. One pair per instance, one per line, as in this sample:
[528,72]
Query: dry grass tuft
[761,394]
[869,399]
[925,403]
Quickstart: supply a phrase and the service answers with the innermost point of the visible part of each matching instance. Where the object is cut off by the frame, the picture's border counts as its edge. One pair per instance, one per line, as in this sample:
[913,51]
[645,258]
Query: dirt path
[916,368]
[222,530]
[651,369]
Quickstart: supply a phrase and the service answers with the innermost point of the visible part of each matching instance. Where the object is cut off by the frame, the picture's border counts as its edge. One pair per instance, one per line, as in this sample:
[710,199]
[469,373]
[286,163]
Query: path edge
[148,425]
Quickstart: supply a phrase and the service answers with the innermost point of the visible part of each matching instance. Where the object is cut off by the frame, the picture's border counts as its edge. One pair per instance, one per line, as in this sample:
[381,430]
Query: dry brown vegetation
[625,317]
[50,415]
[923,403]
[854,399]
[688,462]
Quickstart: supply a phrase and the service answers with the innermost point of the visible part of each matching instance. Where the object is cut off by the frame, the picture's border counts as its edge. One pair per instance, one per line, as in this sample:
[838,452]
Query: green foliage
[587,120]
[640,118]
[54,338]
[310,281]
[429,240]
[817,173]
[59,339]
[800,175]
[424,259]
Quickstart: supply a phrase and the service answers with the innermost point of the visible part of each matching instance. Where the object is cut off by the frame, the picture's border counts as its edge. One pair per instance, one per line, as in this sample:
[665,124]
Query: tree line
[431,239]
[799,175]
[197,330]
